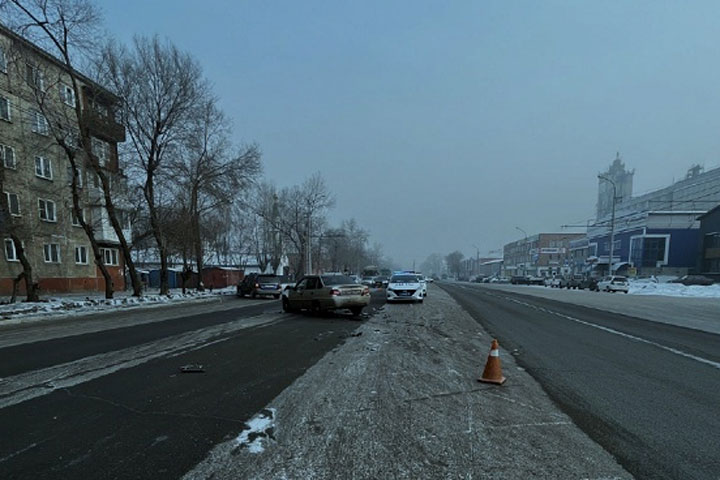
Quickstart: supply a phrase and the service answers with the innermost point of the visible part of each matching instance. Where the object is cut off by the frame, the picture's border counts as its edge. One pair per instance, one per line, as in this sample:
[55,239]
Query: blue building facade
[647,243]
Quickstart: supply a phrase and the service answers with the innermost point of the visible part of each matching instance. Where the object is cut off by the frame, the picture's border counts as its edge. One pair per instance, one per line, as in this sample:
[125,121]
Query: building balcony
[104,126]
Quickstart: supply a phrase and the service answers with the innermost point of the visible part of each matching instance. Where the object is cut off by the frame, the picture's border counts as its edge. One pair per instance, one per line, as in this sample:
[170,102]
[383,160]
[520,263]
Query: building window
[653,251]
[39,123]
[10,252]
[5,108]
[8,156]
[43,168]
[34,77]
[47,210]
[76,219]
[101,150]
[3,61]
[67,94]
[81,255]
[70,171]
[13,203]
[52,252]
[110,256]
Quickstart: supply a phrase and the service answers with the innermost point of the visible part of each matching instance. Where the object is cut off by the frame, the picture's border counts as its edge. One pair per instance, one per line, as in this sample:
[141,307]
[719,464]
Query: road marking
[28,385]
[619,333]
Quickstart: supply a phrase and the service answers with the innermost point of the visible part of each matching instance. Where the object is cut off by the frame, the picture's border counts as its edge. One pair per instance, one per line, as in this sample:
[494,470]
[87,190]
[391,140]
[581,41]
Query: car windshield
[329,280]
[403,279]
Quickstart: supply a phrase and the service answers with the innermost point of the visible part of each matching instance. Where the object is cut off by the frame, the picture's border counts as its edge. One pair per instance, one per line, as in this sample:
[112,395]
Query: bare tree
[161,88]
[454,262]
[69,29]
[210,171]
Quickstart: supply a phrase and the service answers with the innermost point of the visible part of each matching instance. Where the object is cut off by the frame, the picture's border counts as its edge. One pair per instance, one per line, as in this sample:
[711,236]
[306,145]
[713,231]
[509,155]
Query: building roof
[709,212]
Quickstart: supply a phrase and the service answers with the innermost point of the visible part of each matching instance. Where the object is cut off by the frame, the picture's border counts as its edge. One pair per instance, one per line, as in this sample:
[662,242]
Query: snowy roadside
[71,305]
[674,289]
[400,399]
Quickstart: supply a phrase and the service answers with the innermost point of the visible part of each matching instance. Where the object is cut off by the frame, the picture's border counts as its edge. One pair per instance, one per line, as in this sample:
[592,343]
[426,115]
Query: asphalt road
[647,392]
[113,403]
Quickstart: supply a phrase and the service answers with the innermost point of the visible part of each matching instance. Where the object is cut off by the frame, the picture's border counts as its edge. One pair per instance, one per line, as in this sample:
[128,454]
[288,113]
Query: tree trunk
[149,192]
[31,287]
[197,239]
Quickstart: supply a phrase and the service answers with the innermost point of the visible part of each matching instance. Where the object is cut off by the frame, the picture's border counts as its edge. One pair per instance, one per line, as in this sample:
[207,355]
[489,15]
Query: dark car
[381,281]
[255,285]
[572,281]
[688,280]
[590,283]
[520,280]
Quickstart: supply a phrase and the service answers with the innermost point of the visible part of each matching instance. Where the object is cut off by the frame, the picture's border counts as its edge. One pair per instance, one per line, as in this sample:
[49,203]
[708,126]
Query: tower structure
[623,179]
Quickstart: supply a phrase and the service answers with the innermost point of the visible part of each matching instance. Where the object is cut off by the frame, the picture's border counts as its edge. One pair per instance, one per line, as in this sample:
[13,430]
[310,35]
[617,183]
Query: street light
[526,259]
[612,222]
[476,270]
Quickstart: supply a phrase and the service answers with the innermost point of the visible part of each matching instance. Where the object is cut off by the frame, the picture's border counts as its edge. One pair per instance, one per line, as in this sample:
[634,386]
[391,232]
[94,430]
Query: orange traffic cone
[493,370]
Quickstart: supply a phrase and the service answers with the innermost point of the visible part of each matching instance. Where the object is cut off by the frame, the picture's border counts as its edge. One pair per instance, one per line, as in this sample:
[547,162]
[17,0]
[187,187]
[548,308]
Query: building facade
[37,108]
[542,255]
[709,236]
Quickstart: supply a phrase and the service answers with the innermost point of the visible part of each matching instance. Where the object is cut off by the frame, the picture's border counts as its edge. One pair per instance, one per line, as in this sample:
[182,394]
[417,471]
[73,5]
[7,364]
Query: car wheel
[356,311]
[315,308]
[276,297]
[286,305]
[253,294]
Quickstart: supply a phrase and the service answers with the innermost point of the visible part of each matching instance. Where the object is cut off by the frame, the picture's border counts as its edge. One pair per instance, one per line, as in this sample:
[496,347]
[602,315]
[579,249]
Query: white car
[405,287]
[613,284]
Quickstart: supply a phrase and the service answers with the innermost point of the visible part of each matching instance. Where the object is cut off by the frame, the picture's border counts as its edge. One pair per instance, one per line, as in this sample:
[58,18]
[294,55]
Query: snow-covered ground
[674,289]
[54,306]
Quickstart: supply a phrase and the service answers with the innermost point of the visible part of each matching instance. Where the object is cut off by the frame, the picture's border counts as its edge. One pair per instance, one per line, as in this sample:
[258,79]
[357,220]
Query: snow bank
[74,305]
[261,426]
[674,289]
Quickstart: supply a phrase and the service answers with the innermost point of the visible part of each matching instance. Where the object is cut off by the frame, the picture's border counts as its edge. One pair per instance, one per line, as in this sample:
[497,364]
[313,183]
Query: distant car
[520,280]
[405,287]
[589,283]
[367,280]
[571,281]
[533,280]
[381,281]
[688,280]
[613,284]
[320,293]
[554,282]
[423,283]
[262,285]
[429,279]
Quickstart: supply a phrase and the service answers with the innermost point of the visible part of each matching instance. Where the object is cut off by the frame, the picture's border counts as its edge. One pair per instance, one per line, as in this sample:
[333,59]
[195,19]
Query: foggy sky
[440,125]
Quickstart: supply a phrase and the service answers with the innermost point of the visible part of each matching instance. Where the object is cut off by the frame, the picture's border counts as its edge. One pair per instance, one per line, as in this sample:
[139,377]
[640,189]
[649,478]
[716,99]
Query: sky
[446,125]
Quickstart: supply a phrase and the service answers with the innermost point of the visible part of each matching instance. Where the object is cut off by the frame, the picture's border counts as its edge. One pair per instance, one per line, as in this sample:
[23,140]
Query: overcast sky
[442,124]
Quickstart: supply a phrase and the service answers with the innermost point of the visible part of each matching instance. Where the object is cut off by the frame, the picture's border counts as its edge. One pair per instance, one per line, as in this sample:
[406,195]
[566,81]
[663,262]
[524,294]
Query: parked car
[319,293]
[520,280]
[613,284]
[533,280]
[255,285]
[405,287]
[367,280]
[381,281]
[571,281]
[553,282]
[688,280]
[423,284]
[590,283]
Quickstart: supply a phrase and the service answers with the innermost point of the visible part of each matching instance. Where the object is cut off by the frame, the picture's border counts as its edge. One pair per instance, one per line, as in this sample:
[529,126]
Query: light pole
[476,270]
[612,222]
[527,250]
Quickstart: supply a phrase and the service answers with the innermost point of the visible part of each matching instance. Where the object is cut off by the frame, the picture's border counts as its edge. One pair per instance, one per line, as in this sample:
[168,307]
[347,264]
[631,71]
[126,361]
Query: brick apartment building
[543,254]
[36,174]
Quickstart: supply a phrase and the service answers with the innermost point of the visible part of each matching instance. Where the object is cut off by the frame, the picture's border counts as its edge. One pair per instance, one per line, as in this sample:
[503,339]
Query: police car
[405,287]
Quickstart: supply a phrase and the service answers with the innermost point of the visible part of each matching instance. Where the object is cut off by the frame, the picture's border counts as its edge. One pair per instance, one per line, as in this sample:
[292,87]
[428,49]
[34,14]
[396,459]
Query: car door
[296,295]
[312,291]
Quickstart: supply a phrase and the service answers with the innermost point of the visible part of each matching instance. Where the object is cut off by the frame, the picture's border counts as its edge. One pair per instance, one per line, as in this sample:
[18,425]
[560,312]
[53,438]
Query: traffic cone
[493,370]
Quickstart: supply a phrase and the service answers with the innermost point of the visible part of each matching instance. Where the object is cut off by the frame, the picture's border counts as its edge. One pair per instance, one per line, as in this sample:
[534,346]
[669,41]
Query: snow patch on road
[260,427]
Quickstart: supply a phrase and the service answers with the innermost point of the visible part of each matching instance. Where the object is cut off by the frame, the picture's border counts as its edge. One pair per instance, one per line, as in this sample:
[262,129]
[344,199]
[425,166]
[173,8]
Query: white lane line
[622,334]
[28,385]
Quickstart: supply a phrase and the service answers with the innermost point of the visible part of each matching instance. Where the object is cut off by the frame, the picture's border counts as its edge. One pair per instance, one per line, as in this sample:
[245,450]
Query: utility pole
[612,223]
[477,260]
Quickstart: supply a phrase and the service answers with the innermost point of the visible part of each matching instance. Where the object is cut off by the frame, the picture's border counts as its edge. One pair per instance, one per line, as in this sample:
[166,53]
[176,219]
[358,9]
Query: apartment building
[542,254]
[37,107]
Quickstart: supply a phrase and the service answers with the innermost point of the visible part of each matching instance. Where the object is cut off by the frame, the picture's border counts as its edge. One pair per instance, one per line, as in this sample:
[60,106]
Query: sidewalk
[399,399]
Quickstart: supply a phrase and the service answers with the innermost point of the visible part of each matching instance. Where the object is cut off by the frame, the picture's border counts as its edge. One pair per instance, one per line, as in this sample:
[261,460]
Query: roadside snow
[674,290]
[260,426]
[75,305]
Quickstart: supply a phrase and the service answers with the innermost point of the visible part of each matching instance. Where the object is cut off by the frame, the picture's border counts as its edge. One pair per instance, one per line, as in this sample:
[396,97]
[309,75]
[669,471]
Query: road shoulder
[400,399]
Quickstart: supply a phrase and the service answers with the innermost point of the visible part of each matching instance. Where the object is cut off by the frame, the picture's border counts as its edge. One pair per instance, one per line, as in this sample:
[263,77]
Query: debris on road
[192,368]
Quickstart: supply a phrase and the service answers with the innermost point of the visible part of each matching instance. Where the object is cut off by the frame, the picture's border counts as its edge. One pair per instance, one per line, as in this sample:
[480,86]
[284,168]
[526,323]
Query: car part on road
[493,369]
[192,368]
